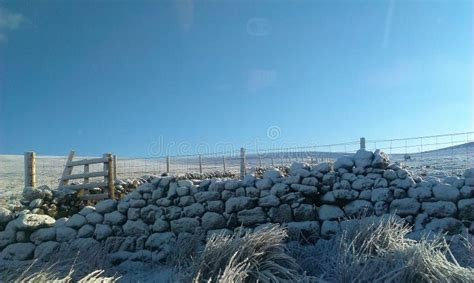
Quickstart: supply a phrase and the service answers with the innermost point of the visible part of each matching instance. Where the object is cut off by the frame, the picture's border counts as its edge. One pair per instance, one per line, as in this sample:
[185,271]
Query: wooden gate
[108,173]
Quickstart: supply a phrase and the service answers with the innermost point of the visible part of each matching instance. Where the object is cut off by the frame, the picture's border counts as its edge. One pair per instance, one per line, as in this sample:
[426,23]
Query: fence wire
[437,155]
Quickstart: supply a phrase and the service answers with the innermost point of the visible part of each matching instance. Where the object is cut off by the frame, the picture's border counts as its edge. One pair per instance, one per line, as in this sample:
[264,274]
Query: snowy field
[443,162]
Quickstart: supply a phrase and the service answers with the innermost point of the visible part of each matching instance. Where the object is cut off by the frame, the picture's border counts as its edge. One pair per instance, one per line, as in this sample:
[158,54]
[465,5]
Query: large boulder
[45,250]
[281,214]
[5,215]
[345,162]
[43,235]
[102,231]
[304,212]
[306,230]
[76,221]
[445,225]
[114,218]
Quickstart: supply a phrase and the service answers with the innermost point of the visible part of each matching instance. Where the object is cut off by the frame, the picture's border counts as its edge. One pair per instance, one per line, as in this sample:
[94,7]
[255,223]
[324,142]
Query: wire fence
[437,155]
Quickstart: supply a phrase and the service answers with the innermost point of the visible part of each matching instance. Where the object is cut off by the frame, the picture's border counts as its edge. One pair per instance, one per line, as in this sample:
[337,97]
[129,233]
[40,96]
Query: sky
[141,78]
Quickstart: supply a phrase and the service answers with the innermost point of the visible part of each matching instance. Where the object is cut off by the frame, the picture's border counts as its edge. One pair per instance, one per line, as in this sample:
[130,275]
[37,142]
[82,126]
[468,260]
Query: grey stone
[65,234]
[185,224]
[330,212]
[94,218]
[279,189]
[304,212]
[382,194]
[215,206]
[43,235]
[269,201]
[212,220]
[160,225]
[237,204]
[446,192]
[18,251]
[45,250]
[150,212]
[252,216]
[358,207]
[281,214]
[439,209]
[106,206]
[206,196]
[157,240]
[86,231]
[466,209]
[135,228]
[33,221]
[114,218]
[76,221]
[194,210]
[405,206]
[263,184]
[345,162]
[305,190]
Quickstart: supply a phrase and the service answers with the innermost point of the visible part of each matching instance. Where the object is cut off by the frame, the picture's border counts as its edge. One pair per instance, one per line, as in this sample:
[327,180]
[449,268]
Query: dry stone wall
[309,201]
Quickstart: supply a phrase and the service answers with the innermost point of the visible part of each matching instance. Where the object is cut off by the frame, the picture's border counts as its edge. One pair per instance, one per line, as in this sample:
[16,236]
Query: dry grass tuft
[259,256]
[377,250]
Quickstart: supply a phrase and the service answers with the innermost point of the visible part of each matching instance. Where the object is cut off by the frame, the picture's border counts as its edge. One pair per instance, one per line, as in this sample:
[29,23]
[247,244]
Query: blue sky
[121,76]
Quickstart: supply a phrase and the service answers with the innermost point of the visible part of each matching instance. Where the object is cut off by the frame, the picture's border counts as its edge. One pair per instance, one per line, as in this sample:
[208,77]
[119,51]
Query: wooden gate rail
[108,173]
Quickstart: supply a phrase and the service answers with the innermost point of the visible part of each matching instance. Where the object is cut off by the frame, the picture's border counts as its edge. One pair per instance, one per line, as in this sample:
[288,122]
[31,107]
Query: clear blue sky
[118,76]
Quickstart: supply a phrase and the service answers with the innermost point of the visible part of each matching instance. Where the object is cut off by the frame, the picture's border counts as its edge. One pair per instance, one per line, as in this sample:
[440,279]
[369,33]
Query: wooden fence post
[243,163]
[110,174]
[259,161]
[223,162]
[273,165]
[167,164]
[30,169]
[200,164]
[115,167]
[362,143]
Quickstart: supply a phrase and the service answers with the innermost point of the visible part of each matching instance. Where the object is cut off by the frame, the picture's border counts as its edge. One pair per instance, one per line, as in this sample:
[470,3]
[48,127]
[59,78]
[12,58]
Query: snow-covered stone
[249,180]
[446,192]
[466,209]
[156,240]
[160,225]
[102,231]
[358,207]
[212,220]
[76,221]
[194,210]
[18,251]
[309,191]
[253,216]
[65,234]
[237,204]
[280,214]
[304,212]
[45,250]
[106,206]
[362,184]
[94,218]
[330,212]
[421,193]
[329,228]
[381,159]
[33,221]
[135,228]
[114,218]
[43,235]
[345,194]
[345,162]
[185,224]
[269,201]
[263,184]
[279,189]
[207,196]
[363,158]
[382,194]
[439,209]
[405,206]
[86,231]
[5,215]
[445,225]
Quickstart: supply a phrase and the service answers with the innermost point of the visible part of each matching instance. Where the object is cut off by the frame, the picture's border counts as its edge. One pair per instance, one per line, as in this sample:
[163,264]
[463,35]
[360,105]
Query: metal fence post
[362,143]
[259,161]
[273,165]
[167,164]
[30,169]
[223,162]
[243,165]
[200,164]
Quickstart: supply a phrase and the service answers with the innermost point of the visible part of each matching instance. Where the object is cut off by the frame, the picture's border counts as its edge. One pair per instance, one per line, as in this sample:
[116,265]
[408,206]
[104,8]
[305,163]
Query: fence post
[200,164]
[115,167]
[259,161]
[167,164]
[273,165]
[30,169]
[110,174]
[362,143]
[243,167]
[223,162]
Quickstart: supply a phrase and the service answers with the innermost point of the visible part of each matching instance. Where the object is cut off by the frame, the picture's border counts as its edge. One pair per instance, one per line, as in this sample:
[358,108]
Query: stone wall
[309,201]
